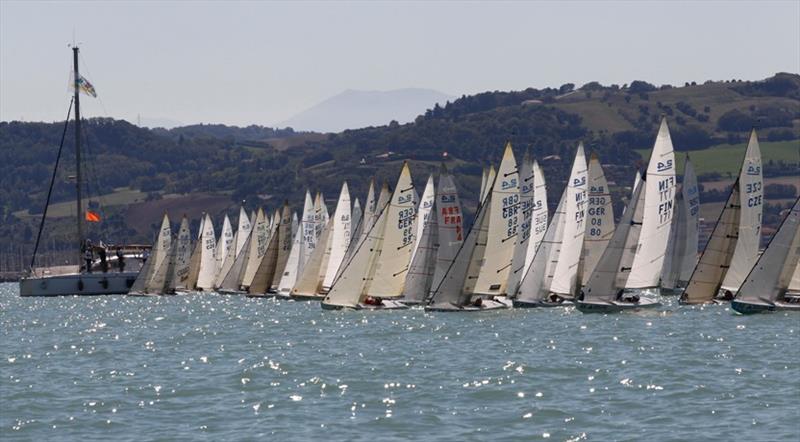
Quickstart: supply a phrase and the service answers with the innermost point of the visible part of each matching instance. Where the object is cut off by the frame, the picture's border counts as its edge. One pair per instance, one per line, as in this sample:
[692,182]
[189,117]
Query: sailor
[103,261]
[727,295]
[145,255]
[87,256]
[477,302]
[120,259]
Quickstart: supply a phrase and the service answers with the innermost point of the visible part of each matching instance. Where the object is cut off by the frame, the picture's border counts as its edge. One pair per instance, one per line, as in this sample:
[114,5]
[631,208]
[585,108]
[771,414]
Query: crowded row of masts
[400,248]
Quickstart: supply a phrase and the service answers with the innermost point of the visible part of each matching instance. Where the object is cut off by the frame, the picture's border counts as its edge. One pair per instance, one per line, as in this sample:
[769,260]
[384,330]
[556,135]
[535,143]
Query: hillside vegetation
[143,172]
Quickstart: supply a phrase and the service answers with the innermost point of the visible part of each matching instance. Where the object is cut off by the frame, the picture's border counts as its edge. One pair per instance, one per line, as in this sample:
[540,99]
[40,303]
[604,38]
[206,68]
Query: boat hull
[747,308]
[303,297]
[80,284]
[486,304]
[384,305]
[541,304]
[615,306]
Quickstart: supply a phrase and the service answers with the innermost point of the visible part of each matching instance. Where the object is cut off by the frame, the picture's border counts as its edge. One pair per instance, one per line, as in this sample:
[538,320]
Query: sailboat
[240,237]
[207,262]
[339,238]
[80,281]
[524,219]
[182,257]
[553,276]
[262,279]
[375,275]
[659,200]
[748,239]
[295,262]
[231,282]
[449,227]
[423,258]
[600,218]
[286,231]
[681,256]
[480,268]
[225,244]
[741,213]
[605,290]
[768,285]
[146,282]
[309,283]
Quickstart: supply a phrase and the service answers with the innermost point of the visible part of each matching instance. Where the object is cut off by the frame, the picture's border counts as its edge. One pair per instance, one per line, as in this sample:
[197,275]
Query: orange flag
[92,217]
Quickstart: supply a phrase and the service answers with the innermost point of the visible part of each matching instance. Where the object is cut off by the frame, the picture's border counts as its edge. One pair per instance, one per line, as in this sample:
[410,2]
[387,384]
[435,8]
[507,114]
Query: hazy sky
[262,62]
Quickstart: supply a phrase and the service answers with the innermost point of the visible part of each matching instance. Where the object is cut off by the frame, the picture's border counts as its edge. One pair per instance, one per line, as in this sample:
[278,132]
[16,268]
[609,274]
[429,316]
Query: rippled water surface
[219,367]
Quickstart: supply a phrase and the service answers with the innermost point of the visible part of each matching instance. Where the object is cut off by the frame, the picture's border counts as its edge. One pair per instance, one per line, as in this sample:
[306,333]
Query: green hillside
[135,174]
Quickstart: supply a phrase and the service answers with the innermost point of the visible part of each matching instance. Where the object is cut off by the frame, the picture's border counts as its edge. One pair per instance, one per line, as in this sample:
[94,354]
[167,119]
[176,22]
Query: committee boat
[80,279]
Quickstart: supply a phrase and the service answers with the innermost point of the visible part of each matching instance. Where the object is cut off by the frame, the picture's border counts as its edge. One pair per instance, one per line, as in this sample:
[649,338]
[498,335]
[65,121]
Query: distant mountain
[354,109]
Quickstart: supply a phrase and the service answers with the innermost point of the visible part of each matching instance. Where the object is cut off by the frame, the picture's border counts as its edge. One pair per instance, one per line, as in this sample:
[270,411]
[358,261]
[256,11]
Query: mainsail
[750,201]
[423,262]
[707,277]
[284,245]
[501,229]
[160,252]
[524,218]
[659,200]
[258,246]
[565,275]
[398,240]
[450,230]
[295,262]
[183,253]
[600,219]
[605,282]
[208,262]
[771,277]
[340,237]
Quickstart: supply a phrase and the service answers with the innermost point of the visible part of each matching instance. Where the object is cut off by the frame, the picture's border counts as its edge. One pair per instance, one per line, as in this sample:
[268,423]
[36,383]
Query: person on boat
[145,255]
[101,251]
[477,302]
[120,259]
[581,295]
[727,295]
[555,298]
[88,256]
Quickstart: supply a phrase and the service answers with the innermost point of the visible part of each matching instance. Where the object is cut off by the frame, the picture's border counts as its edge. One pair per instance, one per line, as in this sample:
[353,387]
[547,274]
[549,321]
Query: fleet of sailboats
[401,249]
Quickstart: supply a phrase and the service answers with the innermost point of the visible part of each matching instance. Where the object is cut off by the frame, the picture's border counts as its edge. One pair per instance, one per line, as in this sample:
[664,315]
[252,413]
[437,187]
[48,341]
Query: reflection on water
[224,367]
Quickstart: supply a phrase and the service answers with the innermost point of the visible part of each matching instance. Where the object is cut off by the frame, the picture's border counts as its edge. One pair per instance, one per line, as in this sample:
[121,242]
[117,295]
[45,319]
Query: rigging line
[52,181]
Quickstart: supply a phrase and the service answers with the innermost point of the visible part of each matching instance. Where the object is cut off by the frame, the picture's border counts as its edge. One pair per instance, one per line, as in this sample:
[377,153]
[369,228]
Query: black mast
[78,153]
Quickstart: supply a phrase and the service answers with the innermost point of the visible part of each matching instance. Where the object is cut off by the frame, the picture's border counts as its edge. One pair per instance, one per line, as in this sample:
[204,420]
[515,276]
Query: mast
[78,178]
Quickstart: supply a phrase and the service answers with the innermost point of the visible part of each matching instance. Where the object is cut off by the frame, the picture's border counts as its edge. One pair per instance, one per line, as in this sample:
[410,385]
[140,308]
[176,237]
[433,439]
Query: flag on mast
[83,85]
[92,217]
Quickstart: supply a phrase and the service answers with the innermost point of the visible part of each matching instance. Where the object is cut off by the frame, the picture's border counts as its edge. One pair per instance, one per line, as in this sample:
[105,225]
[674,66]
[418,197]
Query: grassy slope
[727,158]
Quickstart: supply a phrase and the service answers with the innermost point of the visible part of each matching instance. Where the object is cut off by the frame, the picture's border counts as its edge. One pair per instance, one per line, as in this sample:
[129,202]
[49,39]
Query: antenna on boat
[79,203]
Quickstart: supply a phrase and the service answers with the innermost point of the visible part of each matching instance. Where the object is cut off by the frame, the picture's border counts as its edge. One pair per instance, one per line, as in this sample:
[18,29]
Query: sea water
[216,367]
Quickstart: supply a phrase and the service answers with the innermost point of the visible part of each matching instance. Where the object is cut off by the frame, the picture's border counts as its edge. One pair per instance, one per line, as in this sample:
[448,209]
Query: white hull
[81,284]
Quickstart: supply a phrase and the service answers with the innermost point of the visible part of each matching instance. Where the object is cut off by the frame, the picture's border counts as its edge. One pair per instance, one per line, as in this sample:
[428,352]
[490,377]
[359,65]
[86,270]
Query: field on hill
[727,158]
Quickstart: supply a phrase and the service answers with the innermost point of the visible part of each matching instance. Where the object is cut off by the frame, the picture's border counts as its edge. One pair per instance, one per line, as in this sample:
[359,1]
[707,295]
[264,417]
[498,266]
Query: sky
[258,62]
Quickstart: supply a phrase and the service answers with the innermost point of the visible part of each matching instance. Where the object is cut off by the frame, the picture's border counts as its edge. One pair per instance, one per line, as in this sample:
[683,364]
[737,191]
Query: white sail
[637,205]
[258,246]
[537,279]
[677,241]
[369,216]
[243,230]
[309,282]
[284,245]
[456,286]
[490,177]
[449,224]
[340,238]
[691,200]
[398,240]
[262,280]
[208,261]
[225,245]
[599,220]
[502,228]
[423,261]
[524,219]
[240,237]
[750,200]
[716,257]
[772,274]
[423,213]
[295,262]
[539,214]
[183,252]
[351,286]
[194,260]
[794,280]
[565,275]
[308,225]
[158,256]
[659,201]
[605,283]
